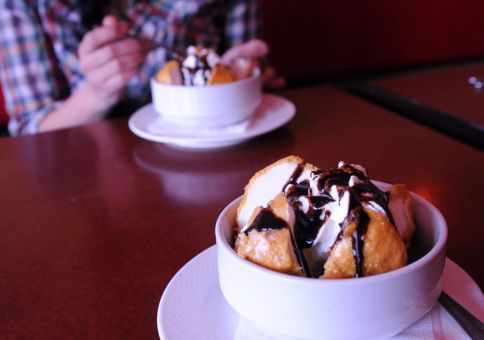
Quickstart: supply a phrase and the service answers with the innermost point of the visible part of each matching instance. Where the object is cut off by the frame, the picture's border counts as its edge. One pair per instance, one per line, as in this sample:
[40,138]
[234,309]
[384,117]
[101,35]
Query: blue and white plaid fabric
[39,66]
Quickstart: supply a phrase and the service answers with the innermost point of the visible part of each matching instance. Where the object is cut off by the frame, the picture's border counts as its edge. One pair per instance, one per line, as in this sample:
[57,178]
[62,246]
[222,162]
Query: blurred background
[314,41]
[320,41]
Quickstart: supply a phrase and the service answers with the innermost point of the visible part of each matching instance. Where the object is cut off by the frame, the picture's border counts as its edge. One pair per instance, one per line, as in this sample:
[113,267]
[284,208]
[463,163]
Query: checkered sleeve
[243,21]
[27,70]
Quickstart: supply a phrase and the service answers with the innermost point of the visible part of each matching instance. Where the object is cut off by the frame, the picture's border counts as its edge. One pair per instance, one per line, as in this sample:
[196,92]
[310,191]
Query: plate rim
[450,265]
[210,251]
[214,140]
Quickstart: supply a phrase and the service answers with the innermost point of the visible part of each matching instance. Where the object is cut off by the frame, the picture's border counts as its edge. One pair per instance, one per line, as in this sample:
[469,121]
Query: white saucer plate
[193,307]
[272,113]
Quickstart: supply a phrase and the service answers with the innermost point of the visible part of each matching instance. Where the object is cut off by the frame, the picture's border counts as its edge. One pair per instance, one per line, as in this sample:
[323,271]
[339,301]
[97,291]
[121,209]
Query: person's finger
[268,74]
[111,51]
[101,76]
[270,80]
[254,48]
[118,81]
[127,62]
[115,22]
[277,83]
[99,37]
[110,21]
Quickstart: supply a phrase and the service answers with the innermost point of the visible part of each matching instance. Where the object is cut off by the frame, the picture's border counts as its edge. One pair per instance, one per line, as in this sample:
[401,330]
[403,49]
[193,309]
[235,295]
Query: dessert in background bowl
[198,91]
[322,253]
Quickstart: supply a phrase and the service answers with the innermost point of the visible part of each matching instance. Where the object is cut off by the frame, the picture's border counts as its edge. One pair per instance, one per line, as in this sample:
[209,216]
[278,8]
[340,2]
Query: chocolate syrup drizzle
[266,220]
[308,224]
[201,64]
[358,239]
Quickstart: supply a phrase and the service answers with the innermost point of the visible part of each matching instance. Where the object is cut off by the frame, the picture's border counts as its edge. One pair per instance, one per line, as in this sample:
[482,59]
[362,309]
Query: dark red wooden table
[95,221]
[445,88]
[441,98]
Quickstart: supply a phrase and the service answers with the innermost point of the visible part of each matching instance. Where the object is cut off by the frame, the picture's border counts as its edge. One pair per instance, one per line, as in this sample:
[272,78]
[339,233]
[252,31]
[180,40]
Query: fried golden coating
[170,73]
[221,74]
[271,249]
[282,209]
[266,184]
[341,262]
[383,249]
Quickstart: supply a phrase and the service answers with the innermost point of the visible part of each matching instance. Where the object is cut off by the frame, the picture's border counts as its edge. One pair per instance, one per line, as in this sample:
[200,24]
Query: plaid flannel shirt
[39,66]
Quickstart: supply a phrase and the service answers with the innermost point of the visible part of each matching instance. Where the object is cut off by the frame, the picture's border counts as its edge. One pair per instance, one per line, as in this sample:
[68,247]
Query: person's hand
[258,50]
[109,59]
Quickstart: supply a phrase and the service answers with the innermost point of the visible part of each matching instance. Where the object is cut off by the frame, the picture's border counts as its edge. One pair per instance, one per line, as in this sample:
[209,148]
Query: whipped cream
[196,67]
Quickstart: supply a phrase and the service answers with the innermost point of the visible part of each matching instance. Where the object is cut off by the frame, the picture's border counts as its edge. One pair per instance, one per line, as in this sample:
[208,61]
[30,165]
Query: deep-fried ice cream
[203,66]
[271,228]
[343,225]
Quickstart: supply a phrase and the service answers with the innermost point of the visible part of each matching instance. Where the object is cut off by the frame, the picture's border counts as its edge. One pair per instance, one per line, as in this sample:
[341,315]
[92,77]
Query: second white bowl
[210,106]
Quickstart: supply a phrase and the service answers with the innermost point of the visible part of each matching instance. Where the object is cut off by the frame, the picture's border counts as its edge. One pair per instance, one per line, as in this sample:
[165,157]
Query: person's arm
[34,86]
[30,80]
[243,32]
[108,60]
[79,108]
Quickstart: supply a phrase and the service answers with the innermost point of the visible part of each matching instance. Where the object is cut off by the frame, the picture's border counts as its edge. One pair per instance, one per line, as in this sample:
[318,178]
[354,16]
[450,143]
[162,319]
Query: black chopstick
[473,326]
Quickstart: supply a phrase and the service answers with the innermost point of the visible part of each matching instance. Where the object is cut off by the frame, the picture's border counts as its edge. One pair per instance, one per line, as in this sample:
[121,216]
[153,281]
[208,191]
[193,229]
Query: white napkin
[437,324]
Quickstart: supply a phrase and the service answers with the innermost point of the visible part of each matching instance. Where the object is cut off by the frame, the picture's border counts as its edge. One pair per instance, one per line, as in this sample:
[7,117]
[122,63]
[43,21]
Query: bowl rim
[257,75]
[438,247]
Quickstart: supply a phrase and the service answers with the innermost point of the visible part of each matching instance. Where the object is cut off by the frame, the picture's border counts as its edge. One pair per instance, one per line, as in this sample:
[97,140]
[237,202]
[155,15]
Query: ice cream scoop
[200,66]
[343,224]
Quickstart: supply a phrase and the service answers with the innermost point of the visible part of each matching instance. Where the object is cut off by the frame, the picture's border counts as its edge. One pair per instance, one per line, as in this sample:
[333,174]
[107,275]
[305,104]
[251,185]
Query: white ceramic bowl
[209,106]
[289,307]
